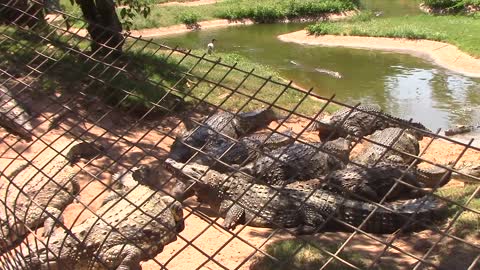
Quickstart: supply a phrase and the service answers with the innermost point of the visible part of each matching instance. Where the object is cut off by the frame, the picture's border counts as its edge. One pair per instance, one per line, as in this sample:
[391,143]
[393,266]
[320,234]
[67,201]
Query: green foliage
[441,3]
[299,254]
[129,9]
[169,15]
[461,31]
[364,16]
[274,10]
[260,11]
[468,223]
[323,28]
[452,5]
[189,18]
[69,73]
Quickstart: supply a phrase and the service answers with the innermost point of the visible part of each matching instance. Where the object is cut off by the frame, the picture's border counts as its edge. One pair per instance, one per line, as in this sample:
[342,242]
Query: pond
[403,85]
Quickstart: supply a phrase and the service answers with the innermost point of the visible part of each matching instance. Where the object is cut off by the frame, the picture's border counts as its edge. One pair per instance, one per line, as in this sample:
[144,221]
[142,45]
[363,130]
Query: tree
[104,26]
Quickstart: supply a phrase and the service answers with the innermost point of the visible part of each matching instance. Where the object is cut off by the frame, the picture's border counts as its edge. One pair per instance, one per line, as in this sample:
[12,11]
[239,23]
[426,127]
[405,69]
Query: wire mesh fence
[160,158]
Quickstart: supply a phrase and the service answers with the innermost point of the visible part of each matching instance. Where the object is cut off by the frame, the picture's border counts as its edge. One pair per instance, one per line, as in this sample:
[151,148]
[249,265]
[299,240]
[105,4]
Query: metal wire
[108,87]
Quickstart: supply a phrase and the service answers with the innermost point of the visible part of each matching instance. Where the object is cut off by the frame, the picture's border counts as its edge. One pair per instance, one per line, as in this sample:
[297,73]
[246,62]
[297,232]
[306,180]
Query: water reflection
[401,84]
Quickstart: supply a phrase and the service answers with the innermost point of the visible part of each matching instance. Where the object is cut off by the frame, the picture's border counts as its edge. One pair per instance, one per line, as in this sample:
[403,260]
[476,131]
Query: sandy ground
[443,54]
[203,244]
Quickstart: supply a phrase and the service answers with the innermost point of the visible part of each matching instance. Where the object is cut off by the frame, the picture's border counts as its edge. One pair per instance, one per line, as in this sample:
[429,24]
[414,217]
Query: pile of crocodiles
[274,180]
[133,224]
[245,174]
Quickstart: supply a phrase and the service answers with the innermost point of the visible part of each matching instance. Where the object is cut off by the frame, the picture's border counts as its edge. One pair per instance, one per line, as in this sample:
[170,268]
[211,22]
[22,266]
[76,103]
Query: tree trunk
[21,12]
[103,26]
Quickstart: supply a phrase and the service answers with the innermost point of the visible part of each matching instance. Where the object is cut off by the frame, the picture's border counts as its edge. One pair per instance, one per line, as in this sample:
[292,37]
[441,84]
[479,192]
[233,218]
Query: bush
[189,18]
[441,3]
[323,29]
[274,10]
[452,4]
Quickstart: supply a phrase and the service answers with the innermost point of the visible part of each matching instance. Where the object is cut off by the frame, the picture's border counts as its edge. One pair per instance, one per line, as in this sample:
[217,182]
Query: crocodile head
[207,183]
[200,173]
[254,120]
[469,172]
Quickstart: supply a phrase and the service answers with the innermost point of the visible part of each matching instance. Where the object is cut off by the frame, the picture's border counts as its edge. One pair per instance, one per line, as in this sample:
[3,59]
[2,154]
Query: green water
[403,85]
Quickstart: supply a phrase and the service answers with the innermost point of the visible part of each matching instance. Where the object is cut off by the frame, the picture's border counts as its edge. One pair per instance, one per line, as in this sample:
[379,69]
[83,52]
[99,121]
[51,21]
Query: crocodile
[299,161]
[334,74]
[359,122]
[303,210]
[245,150]
[133,226]
[14,117]
[399,140]
[36,195]
[461,129]
[232,155]
[372,183]
[226,123]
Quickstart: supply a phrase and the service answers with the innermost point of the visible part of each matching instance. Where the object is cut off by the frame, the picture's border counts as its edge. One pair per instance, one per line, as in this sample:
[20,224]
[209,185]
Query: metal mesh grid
[132,108]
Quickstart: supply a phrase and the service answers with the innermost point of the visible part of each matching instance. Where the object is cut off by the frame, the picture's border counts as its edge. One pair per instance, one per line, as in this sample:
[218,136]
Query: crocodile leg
[131,256]
[50,222]
[233,216]
[311,221]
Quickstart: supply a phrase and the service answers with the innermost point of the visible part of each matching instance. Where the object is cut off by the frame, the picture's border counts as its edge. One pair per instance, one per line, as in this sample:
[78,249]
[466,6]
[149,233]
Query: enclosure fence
[155,157]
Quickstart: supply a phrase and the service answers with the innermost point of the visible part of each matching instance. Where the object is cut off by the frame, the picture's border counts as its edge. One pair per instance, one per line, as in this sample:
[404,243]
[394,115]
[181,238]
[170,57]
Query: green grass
[189,18]
[298,254]
[169,15]
[468,224]
[246,86]
[150,77]
[73,71]
[452,4]
[274,10]
[461,31]
[259,11]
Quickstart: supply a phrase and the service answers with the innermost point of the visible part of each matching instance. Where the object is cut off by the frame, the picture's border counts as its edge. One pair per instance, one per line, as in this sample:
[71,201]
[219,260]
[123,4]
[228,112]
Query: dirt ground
[203,244]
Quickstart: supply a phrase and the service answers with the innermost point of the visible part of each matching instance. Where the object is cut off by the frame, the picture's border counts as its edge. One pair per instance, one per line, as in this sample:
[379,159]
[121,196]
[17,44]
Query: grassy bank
[468,223]
[149,77]
[259,11]
[461,31]
[451,4]
[298,254]
[238,87]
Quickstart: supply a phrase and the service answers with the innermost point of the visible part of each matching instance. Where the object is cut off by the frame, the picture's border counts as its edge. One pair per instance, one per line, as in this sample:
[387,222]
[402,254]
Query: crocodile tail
[408,123]
[407,215]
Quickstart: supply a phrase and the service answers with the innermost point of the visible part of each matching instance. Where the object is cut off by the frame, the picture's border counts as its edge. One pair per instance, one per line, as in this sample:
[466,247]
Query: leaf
[123,12]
